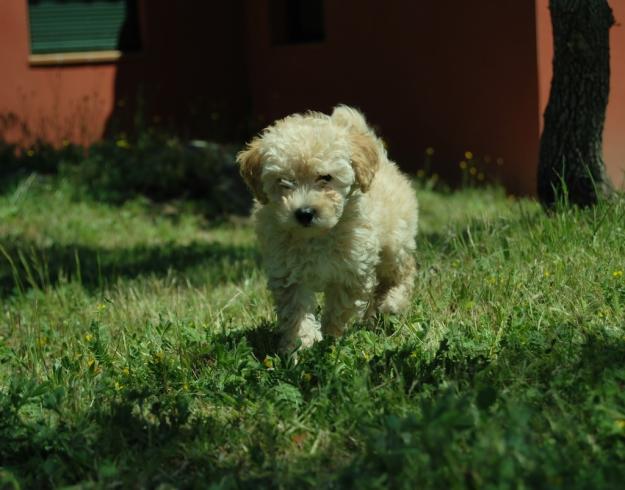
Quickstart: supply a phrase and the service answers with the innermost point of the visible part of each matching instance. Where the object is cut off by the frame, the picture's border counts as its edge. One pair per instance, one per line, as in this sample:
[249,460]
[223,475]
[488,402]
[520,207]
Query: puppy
[334,215]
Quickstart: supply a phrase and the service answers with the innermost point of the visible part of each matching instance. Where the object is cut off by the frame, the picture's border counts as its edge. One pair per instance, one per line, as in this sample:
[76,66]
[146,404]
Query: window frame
[87,57]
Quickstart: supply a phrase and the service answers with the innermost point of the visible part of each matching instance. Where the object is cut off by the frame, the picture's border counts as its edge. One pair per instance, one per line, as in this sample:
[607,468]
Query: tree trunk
[571,163]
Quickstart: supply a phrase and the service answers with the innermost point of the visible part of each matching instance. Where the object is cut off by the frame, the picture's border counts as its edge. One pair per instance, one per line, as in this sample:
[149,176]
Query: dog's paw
[333,330]
[301,339]
[395,302]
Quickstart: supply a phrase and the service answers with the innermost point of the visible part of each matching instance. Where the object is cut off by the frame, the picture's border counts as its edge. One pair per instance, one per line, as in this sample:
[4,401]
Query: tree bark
[571,165]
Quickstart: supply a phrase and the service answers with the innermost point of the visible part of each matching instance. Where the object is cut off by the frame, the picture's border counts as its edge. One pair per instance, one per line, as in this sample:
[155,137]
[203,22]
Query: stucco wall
[450,75]
[56,103]
[614,133]
[454,76]
[190,73]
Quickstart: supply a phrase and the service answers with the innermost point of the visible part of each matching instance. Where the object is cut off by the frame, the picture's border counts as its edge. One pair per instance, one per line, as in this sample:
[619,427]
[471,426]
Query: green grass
[136,350]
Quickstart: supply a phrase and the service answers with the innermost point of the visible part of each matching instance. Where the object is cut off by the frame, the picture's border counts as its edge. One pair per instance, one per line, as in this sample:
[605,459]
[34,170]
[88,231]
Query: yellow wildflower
[122,143]
[603,313]
[468,155]
[88,337]
[463,165]
[268,362]
[617,274]
[429,151]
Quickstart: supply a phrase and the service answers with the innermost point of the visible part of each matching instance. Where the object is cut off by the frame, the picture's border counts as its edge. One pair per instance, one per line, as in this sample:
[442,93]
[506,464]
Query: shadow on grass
[416,371]
[31,266]
[263,339]
[153,434]
[140,436]
[549,359]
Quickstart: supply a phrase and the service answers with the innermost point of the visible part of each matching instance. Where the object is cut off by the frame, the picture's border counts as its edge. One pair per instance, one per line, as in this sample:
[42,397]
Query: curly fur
[359,246]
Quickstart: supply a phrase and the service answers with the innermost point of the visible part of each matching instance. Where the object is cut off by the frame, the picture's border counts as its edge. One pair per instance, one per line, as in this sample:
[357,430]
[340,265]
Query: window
[297,21]
[79,26]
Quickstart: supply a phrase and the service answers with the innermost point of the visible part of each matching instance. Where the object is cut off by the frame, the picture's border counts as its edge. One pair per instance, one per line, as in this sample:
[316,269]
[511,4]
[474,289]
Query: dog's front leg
[296,316]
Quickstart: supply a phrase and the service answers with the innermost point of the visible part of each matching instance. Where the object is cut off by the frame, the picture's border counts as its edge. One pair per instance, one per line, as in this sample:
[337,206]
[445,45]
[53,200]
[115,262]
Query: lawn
[137,350]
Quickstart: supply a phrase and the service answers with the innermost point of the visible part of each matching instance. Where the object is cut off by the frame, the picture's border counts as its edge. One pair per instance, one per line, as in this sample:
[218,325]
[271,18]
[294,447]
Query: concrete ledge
[88,57]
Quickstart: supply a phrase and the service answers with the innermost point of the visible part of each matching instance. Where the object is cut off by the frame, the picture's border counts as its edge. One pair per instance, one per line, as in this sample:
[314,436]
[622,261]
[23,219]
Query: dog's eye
[325,178]
[285,184]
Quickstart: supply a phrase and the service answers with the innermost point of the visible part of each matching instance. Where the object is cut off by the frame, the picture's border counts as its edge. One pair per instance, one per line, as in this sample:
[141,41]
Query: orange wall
[455,76]
[614,134]
[55,103]
[190,74]
[447,74]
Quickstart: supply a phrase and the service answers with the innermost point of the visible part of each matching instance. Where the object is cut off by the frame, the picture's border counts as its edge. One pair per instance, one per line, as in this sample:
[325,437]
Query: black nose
[305,215]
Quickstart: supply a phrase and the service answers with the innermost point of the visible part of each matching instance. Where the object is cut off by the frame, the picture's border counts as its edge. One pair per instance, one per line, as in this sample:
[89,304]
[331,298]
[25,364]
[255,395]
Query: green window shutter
[66,26]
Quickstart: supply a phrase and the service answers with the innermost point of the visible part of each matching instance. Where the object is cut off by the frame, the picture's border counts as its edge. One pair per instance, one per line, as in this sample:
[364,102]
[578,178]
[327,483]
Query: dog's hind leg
[396,282]
[342,305]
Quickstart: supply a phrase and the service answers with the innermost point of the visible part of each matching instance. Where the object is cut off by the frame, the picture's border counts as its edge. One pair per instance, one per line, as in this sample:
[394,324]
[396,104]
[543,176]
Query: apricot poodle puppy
[333,215]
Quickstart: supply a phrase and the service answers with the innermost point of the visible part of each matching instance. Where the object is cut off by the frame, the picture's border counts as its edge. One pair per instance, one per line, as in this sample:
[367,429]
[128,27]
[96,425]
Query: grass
[136,350]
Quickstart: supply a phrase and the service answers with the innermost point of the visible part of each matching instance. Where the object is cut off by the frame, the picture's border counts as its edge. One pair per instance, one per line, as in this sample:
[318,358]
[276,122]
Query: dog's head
[306,166]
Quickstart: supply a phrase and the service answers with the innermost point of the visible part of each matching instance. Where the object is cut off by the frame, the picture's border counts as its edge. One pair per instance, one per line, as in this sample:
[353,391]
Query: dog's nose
[305,215]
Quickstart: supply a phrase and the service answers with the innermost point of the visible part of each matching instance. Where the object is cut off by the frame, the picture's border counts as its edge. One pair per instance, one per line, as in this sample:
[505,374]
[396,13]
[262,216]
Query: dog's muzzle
[305,216]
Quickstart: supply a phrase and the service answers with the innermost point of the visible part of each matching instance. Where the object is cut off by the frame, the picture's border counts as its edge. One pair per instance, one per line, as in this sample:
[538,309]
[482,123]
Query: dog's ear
[365,146]
[350,118]
[365,158]
[250,166]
